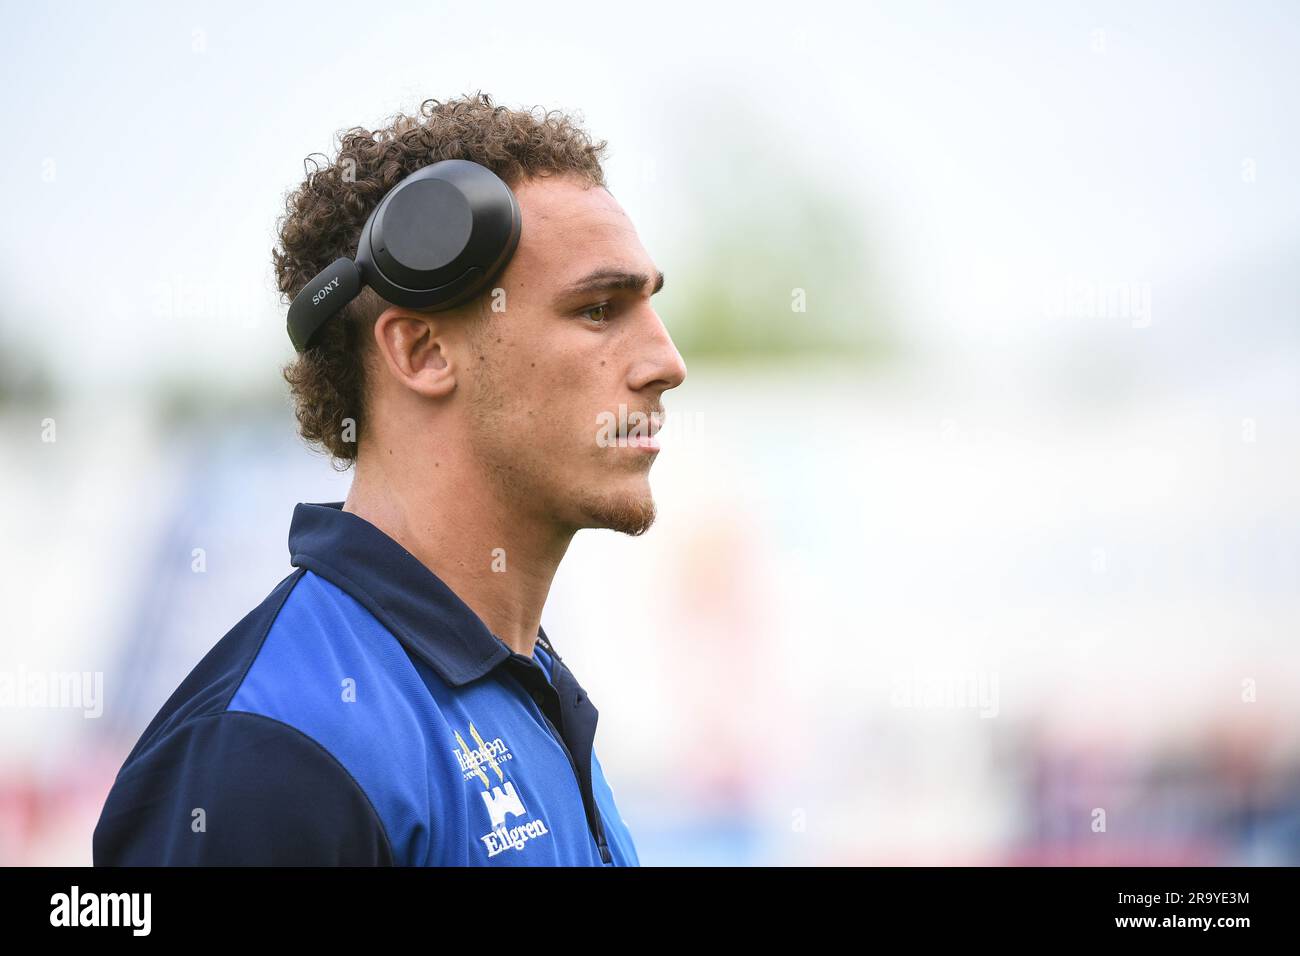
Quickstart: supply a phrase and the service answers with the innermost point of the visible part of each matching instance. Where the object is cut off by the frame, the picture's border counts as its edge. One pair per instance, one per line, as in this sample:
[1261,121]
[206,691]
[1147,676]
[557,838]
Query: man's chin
[627,513]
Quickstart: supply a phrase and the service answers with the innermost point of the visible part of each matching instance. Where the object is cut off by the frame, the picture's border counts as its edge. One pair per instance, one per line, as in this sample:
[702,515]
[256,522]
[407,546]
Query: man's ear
[411,345]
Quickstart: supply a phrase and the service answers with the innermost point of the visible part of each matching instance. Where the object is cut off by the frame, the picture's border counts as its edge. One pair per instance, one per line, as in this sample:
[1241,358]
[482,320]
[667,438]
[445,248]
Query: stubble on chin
[627,514]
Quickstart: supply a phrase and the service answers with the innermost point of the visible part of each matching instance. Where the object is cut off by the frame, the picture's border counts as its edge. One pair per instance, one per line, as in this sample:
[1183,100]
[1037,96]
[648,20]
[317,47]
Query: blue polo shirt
[364,715]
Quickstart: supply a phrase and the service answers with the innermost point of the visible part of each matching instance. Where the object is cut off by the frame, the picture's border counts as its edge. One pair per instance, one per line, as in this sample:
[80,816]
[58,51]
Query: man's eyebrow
[602,280]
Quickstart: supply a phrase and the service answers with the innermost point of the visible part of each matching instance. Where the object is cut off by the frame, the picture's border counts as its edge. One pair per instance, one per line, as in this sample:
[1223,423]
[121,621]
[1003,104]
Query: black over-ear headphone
[435,240]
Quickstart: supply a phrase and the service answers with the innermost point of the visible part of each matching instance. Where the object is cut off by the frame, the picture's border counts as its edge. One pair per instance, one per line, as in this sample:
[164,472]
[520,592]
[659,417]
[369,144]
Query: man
[394,700]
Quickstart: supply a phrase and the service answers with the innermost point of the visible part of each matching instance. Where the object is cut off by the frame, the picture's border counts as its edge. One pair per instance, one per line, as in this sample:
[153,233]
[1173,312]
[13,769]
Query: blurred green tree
[782,263]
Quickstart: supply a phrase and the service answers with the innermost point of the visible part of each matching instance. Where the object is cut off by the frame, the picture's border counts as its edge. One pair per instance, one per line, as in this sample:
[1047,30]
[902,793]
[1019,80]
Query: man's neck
[501,564]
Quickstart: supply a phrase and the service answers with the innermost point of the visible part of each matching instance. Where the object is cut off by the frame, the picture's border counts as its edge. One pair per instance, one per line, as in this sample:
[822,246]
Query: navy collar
[399,590]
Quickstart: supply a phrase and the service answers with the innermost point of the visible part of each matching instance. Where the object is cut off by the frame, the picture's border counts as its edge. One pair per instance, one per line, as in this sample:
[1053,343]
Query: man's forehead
[568,226]
[564,196]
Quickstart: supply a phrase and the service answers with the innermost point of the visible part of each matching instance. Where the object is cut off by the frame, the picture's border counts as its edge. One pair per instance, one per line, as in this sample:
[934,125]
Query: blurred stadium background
[988,555]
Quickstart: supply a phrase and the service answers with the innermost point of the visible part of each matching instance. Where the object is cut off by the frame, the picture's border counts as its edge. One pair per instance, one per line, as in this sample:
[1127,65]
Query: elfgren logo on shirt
[500,797]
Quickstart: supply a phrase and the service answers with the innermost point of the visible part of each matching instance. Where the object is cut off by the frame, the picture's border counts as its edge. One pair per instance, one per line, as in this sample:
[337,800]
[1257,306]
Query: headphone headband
[435,240]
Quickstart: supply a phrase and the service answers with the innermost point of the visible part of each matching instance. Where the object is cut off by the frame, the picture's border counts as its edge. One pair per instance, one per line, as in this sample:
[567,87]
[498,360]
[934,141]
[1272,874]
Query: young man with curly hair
[394,700]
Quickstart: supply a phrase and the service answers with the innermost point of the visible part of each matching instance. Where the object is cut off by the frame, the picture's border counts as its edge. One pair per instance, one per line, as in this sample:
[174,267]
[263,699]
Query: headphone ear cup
[440,236]
[437,239]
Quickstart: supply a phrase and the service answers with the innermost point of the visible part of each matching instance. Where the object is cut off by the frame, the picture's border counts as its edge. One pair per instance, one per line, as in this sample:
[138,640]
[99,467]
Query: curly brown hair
[324,216]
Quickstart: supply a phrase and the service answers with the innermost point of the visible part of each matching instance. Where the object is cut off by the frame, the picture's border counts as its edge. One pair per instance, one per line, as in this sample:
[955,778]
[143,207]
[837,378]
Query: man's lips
[641,431]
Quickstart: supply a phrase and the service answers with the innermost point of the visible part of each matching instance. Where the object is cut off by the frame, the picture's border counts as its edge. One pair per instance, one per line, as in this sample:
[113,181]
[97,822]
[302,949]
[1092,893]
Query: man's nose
[663,366]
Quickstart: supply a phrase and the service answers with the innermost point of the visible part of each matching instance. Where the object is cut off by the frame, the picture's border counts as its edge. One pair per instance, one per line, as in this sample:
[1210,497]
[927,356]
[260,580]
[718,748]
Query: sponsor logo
[489,754]
[502,800]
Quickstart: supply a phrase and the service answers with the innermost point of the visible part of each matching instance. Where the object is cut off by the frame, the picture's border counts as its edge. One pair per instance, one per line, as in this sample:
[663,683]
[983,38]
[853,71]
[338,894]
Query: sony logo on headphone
[316,299]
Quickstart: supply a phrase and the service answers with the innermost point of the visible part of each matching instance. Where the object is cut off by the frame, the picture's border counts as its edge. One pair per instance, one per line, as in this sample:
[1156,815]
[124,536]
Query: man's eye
[603,308]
